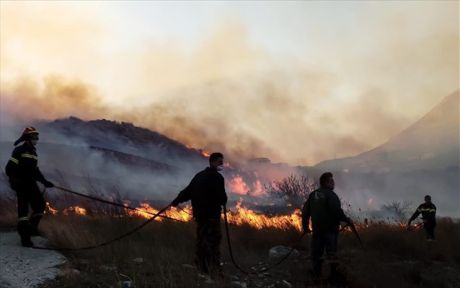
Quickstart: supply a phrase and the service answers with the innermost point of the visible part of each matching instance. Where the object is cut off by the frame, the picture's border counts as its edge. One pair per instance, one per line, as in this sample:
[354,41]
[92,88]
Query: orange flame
[259,189]
[148,211]
[145,210]
[202,151]
[238,186]
[240,216]
[259,221]
[75,210]
[205,153]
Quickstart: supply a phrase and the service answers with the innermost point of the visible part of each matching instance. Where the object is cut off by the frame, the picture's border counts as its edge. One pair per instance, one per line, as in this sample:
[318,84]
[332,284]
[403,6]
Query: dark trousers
[28,194]
[208,237]
[429,230]
[319,243]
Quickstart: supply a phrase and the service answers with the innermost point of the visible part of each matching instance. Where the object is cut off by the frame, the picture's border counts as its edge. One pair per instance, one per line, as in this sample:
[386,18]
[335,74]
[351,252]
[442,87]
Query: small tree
[293,189]
[399,210]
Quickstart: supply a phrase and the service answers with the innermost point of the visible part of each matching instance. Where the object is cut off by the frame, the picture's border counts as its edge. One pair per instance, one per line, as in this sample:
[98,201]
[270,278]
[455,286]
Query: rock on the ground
[277,252]
[286,284]
[26,267]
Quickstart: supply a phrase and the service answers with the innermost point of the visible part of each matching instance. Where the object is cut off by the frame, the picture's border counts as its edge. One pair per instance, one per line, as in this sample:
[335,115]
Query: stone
[286,284]
[280,251]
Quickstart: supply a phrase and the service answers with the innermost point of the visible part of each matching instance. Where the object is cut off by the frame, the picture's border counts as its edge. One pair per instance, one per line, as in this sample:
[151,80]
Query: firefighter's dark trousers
[28,194]
[319,243]
[208,237]
[429,230]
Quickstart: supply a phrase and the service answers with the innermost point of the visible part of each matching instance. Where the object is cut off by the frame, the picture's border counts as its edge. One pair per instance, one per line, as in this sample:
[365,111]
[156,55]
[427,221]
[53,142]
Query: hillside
[119,136]
[422,159]
[110,157]
[430,143]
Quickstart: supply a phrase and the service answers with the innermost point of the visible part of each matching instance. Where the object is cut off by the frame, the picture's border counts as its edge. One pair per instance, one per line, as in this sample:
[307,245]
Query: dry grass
[392,257]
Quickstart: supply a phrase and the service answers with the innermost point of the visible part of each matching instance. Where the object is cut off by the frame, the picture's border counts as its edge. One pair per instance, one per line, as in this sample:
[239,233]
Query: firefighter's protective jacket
[23,165]
[207,193]
[428,211]
[324,208]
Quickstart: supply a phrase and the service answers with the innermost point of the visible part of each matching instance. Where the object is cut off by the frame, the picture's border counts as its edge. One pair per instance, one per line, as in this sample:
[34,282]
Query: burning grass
[161,255]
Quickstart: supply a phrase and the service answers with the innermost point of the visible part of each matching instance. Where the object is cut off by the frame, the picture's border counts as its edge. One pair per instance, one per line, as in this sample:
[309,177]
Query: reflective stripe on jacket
[23,164]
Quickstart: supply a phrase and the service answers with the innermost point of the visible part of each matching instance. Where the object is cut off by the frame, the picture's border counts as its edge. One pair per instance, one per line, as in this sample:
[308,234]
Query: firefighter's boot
[34,221]
[24,233]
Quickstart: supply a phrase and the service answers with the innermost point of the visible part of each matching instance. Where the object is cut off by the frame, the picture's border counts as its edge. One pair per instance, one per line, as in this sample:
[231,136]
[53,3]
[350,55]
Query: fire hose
[132,231]
[158,214]
[114,203]
[111,240]
[230,250]
[351,225]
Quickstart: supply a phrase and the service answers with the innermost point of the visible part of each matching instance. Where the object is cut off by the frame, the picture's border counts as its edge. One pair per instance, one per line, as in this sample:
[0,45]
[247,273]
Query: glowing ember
[75,210]
[238,186]
[50,209]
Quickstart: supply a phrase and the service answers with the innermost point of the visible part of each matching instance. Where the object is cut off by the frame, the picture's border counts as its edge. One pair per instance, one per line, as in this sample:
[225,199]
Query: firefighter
[23,173]
[324,209]
[207,193]
[428,211]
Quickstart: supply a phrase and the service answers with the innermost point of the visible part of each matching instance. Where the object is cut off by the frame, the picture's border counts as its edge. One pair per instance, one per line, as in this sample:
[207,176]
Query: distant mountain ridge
[423,159]
[431,142]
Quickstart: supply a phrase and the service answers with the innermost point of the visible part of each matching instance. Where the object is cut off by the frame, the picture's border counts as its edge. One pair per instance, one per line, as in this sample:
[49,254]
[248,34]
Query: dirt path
[26,267]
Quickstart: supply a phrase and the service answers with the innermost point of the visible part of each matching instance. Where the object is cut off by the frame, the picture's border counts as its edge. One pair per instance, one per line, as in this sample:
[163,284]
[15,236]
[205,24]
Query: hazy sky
[298,82]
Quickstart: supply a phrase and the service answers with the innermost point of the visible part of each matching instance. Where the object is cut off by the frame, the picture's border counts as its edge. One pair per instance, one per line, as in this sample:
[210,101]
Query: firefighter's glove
[48,184]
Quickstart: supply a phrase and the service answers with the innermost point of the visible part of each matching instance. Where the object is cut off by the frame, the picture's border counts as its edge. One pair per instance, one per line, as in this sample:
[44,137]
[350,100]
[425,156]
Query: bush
[294,189]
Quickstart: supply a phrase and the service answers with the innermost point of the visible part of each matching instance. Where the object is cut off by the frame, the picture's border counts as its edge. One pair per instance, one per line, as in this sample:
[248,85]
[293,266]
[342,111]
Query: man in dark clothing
[428,211]
[23,174]
[324,209]
[207,193]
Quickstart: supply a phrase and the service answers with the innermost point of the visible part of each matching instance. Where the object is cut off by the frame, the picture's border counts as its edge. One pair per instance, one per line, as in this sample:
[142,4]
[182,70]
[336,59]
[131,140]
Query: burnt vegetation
[161,254]
[294,189]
